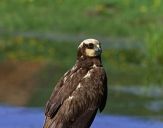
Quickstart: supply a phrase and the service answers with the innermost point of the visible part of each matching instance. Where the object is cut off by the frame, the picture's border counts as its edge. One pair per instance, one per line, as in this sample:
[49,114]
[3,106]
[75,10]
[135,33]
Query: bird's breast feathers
[88,79]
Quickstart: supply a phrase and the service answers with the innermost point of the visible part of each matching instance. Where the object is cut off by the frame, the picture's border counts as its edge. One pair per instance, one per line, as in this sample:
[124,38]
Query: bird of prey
[81,92]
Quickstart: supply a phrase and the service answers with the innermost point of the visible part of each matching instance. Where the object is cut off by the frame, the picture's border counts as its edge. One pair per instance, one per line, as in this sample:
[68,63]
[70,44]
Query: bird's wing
[55,91]
[54,94]
[88,96]
[64,88]
[105,91]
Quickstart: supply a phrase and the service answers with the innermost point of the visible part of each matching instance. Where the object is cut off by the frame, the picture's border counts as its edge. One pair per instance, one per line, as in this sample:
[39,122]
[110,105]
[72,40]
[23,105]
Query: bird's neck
[87,62]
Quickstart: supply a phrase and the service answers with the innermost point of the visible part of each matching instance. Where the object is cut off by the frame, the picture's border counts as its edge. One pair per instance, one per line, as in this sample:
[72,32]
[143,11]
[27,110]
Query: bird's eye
[90,46]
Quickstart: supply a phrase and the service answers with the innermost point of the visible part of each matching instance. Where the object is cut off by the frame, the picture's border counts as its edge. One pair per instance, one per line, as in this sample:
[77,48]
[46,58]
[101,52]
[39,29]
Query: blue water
[20,117]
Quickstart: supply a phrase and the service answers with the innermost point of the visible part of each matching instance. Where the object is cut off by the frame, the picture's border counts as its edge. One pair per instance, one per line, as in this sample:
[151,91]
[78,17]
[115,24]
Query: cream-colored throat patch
[90,52]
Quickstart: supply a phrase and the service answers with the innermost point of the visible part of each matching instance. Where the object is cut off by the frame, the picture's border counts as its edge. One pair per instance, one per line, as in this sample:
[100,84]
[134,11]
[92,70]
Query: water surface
[21,117]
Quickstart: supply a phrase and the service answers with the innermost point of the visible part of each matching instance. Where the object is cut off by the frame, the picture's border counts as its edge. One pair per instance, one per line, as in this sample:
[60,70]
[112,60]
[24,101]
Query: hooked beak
[98,50]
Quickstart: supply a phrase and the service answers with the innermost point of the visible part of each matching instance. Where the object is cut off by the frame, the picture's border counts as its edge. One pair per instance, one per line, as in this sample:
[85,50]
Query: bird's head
[89,48]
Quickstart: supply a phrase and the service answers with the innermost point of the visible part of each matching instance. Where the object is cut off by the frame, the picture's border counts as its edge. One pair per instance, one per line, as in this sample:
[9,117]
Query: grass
[154,46]
[20,48]
[132,63]
[132,19]
[100,17]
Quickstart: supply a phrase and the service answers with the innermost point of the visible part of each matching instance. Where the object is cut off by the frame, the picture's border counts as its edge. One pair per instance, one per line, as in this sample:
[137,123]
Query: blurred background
[39,40]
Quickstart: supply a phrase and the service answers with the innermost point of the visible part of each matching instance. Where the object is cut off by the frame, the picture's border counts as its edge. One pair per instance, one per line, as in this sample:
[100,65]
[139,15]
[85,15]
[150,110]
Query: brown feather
[78,95]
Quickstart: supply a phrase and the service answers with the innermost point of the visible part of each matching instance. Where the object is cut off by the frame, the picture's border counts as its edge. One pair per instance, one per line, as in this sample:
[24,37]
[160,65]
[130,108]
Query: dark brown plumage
[80,92]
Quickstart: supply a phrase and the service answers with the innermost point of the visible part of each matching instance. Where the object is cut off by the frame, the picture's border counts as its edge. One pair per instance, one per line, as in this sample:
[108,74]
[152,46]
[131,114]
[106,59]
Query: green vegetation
[140,21]
[131,19]
[19,48]
[154,45]
[99,17]
[121,63]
